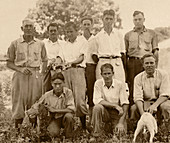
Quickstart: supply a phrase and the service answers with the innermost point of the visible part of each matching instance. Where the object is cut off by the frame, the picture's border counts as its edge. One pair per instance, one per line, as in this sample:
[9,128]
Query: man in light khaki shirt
[151,90]
[111,102]
[60,103]
[138,42]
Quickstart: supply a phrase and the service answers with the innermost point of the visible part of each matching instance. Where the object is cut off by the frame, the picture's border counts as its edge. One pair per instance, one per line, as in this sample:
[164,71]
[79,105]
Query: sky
[12,12]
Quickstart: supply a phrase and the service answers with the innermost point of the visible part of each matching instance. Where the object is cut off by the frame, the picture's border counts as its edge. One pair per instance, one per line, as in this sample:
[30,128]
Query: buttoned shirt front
[108,45]
[27,54]
[72,51]
[139,44]
[115,94]
[65,100]
[148,88]
[52,48]
[90,50]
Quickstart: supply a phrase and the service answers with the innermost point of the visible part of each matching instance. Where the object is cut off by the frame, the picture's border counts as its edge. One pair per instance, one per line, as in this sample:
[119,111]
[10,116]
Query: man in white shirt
[109,45]
[73,54]
[111,102]
[53,46]
[90,71]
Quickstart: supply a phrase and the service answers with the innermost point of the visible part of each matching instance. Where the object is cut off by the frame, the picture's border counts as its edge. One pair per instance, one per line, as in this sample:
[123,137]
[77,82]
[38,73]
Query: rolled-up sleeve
[70,101]
[165,85]
[155,41]
[97,95]
[11,53]
[138,91]
[123,95]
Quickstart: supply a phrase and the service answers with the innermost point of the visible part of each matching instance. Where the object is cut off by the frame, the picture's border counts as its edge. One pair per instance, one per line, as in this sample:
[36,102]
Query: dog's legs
[138,129]
[152,133]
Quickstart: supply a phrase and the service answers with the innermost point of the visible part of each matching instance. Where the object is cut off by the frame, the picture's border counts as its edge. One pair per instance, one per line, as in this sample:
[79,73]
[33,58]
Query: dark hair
[71,24]
[138,12]
[52,24]
[87,18]
[58,75]
[109,12]
[148,55]
[107,65]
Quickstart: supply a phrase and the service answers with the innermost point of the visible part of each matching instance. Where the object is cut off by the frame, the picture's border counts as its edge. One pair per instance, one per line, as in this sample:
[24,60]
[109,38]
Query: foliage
[62,11]
[163,33]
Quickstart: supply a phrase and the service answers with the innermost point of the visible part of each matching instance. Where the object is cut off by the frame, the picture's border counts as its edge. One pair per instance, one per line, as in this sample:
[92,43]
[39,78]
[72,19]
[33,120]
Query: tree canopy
[62,11]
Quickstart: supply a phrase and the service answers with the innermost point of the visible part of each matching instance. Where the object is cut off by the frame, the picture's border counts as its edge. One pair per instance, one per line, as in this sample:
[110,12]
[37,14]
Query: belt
[109,57]
[73,67]
[138,58]
[33,68]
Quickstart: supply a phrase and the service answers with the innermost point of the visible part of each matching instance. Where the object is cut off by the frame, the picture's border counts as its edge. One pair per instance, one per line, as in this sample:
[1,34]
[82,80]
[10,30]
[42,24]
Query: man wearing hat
[25,55]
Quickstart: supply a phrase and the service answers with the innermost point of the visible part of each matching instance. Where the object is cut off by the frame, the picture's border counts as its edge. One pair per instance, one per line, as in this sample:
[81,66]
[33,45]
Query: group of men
[104,65]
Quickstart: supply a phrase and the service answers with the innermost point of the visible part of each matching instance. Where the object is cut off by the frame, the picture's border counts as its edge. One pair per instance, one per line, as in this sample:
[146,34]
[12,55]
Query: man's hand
[51,109]
[120,128]
[152,109]
[25,71]
[120,109]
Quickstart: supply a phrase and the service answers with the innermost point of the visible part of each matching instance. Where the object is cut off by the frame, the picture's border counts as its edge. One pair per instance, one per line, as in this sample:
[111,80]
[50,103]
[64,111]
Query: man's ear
[21,28]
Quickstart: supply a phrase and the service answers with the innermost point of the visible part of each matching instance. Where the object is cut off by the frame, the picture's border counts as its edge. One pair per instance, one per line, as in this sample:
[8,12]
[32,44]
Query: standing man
[109,46]
[111,102]
[73,53]
[25,56]
[90,72]
[151,90]
[138,42]
[53,46]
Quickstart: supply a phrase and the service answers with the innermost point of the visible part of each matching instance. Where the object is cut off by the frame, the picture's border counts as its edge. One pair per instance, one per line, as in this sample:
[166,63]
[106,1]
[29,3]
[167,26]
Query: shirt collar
[111,85]
[22,40]
[150,76]
[144,29]
[62,95]
[103,31]
[52,42]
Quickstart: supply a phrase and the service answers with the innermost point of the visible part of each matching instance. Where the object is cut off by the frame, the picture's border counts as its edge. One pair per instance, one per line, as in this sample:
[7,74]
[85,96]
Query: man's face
[138,20]
[149,65]
[107,75]
[108,20]
[28,28]
[86,25]
[53,32]
[71,33]
[58,86]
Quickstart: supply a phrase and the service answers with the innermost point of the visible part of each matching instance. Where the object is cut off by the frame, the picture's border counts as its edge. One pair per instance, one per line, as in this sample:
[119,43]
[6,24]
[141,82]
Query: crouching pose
[60,104]
[151,91]
[111,102]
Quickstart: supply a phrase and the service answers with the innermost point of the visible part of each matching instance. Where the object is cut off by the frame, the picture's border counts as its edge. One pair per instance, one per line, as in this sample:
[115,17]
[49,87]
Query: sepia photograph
[84,71]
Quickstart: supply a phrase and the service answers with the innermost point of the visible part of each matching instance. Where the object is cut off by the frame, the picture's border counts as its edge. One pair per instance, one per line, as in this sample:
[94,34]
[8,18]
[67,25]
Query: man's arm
[125,111]
[140,106]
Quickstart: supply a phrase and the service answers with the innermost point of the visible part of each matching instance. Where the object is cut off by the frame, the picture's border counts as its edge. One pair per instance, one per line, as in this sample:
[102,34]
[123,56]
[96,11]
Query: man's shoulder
[99,82]
[67,91]
[162,72]
[139,75]
[130,32]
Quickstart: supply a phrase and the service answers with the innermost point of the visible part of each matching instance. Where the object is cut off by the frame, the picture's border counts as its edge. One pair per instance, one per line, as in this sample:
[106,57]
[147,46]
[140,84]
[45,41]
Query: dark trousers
[134,67]
[90,74]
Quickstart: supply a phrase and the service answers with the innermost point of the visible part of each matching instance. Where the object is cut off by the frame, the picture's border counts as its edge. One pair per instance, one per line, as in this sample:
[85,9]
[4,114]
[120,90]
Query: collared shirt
[116,94]
[70,52]
[108,45]
[27,54]
[146,88]
[65,100]
[139,44]
[52,48]
[90,50]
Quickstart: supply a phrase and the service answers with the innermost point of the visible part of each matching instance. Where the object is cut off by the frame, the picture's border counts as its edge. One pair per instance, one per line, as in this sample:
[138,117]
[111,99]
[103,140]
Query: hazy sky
[157,13]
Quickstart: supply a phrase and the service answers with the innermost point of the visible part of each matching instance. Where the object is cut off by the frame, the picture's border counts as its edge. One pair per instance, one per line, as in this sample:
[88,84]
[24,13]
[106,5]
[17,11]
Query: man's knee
[54,128]
[68,117]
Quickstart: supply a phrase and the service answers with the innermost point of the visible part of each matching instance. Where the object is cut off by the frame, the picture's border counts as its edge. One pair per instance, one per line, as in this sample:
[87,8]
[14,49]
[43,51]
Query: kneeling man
[111,101]
[60,104]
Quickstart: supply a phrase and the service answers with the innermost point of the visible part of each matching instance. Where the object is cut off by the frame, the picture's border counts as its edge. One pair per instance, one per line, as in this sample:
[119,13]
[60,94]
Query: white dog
[148,121]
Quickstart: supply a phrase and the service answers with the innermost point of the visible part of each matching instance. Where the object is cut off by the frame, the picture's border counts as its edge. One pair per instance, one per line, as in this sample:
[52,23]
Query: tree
[62,11]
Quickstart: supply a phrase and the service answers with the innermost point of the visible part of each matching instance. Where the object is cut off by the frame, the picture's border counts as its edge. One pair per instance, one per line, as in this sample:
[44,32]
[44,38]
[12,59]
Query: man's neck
[28,38]
[53,39]
[139,29]
[108,84]
[108,30]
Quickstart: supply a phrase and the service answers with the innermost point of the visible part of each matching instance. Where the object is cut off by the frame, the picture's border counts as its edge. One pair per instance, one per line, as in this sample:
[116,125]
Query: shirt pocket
[36,56]
[20,56]
[147,43]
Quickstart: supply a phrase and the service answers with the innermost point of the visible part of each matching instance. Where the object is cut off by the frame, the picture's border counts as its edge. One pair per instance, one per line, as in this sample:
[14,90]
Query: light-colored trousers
[26,90]
[102,114]
[117,64]
[75,80]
